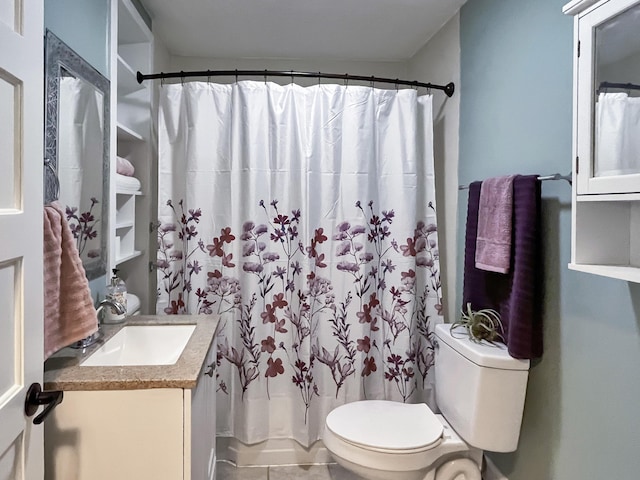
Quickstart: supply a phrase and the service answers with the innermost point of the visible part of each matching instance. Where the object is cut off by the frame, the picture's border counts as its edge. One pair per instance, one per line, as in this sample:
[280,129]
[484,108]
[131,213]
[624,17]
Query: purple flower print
[252,267]
[83,227]
[270,256]
[280,297]
[348,266]
[343,249]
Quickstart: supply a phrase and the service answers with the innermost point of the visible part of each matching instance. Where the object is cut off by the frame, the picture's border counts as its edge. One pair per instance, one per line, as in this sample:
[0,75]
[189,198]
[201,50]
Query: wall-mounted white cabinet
[132,51]
[606,144]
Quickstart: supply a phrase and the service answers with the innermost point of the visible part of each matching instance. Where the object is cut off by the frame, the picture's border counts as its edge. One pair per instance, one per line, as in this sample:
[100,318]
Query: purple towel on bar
[517,296]
[493,242]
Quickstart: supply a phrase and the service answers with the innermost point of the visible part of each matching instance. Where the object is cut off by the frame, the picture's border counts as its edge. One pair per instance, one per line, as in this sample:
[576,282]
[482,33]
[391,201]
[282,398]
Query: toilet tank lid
[482,353]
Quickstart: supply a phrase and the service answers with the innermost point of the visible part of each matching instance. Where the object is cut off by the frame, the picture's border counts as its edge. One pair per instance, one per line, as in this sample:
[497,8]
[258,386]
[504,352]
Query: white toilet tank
[480,390]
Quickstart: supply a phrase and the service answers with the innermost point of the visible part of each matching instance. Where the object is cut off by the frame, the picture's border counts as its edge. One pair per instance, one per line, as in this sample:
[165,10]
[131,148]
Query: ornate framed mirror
[76,172]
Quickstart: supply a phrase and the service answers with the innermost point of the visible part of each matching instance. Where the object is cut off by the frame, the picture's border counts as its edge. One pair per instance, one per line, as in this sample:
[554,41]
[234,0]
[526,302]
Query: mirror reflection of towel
[124,167]
[127,184]
[517,296]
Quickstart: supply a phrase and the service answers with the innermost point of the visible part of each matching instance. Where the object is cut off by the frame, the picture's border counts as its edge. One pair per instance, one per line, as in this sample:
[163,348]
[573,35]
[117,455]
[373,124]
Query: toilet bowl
[480,391]
[384,440]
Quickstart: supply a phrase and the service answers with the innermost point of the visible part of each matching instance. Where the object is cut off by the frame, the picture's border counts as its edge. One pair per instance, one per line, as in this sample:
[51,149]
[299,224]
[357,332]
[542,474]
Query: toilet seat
[386,427]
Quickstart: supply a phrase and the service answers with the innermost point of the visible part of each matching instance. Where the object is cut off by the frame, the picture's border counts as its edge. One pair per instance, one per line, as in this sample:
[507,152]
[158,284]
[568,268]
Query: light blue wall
[581,416]
[84,26]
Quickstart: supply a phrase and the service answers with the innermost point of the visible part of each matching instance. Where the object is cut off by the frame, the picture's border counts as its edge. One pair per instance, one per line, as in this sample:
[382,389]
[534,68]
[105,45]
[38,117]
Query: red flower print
[226,260]
[409,249]
[319,235]
[369,366]
[214,274]
[410,274]
[373,326]
[226,236]
[319,260]
[274,368]
[365,315]
[279,301]
[269,315]
[176,306]
[373,301]
[216,249]
[364,344]
[280,326]
[268,345]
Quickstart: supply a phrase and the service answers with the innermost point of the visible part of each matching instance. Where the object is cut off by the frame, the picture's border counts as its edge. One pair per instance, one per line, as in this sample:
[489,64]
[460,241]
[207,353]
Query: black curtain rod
[622,86]
[448,89]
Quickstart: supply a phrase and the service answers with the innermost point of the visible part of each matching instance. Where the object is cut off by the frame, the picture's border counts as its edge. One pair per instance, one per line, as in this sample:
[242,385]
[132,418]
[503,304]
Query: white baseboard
[490,471]
[271,452]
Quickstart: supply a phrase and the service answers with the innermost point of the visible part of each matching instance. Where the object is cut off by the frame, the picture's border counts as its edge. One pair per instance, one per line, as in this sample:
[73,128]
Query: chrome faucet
[116,307]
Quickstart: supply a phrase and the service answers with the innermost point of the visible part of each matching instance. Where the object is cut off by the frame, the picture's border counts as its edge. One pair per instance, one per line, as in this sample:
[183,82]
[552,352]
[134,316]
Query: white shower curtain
[306,218]
[617,134]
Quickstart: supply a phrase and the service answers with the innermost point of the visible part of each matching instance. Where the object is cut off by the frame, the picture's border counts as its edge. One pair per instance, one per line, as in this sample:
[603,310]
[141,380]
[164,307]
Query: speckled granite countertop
[63,371]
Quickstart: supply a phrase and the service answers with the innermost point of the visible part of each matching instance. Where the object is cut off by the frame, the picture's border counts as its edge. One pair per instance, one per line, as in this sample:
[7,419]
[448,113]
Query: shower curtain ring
[292,81]
[236,75]
[182,77]
[372,78]
[319,76]
[346,79]
[397,80]
[265,77]
[162,79]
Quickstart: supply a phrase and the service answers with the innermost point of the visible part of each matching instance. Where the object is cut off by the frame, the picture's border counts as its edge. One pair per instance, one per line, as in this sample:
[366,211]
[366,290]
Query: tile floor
[227,471]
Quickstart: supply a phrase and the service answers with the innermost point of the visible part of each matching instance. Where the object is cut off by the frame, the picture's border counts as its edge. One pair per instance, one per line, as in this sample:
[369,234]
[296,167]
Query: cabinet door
[608,98]
[116,434]
[203,423]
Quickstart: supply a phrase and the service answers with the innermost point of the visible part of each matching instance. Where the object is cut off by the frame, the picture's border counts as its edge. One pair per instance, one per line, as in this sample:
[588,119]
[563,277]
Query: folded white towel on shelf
[127,184]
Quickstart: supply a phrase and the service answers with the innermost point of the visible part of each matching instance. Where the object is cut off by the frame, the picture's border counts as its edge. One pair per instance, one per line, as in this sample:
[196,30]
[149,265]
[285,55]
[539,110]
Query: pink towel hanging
[69,314]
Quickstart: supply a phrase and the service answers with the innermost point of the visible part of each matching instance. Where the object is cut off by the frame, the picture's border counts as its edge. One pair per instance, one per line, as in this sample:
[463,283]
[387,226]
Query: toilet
[480,391]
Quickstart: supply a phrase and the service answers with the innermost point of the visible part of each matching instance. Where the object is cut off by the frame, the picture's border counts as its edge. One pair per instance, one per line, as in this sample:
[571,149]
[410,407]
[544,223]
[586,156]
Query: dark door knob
[37,397]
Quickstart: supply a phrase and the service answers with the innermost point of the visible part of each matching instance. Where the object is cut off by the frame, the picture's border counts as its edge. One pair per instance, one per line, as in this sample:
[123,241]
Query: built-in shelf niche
[132,51]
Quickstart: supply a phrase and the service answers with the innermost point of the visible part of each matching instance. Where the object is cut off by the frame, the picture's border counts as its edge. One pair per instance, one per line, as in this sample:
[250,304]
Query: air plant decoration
[481,324]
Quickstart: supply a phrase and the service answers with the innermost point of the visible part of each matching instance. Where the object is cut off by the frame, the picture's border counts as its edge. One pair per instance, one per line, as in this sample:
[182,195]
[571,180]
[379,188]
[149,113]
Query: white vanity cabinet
[138,434]
[606,143]
[131,51]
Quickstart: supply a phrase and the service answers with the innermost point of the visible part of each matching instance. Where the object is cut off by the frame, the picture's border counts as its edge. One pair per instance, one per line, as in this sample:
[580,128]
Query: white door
[21,310]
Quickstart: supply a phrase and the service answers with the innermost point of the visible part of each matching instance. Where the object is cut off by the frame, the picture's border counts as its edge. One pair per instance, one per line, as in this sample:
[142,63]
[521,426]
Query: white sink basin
[142,345]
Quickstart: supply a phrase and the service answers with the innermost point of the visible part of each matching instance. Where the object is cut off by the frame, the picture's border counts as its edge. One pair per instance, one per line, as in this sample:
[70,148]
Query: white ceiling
[373,30]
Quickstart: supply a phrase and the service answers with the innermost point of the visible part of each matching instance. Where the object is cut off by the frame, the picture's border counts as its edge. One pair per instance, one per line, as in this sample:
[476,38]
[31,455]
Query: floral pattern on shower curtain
[306,218]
